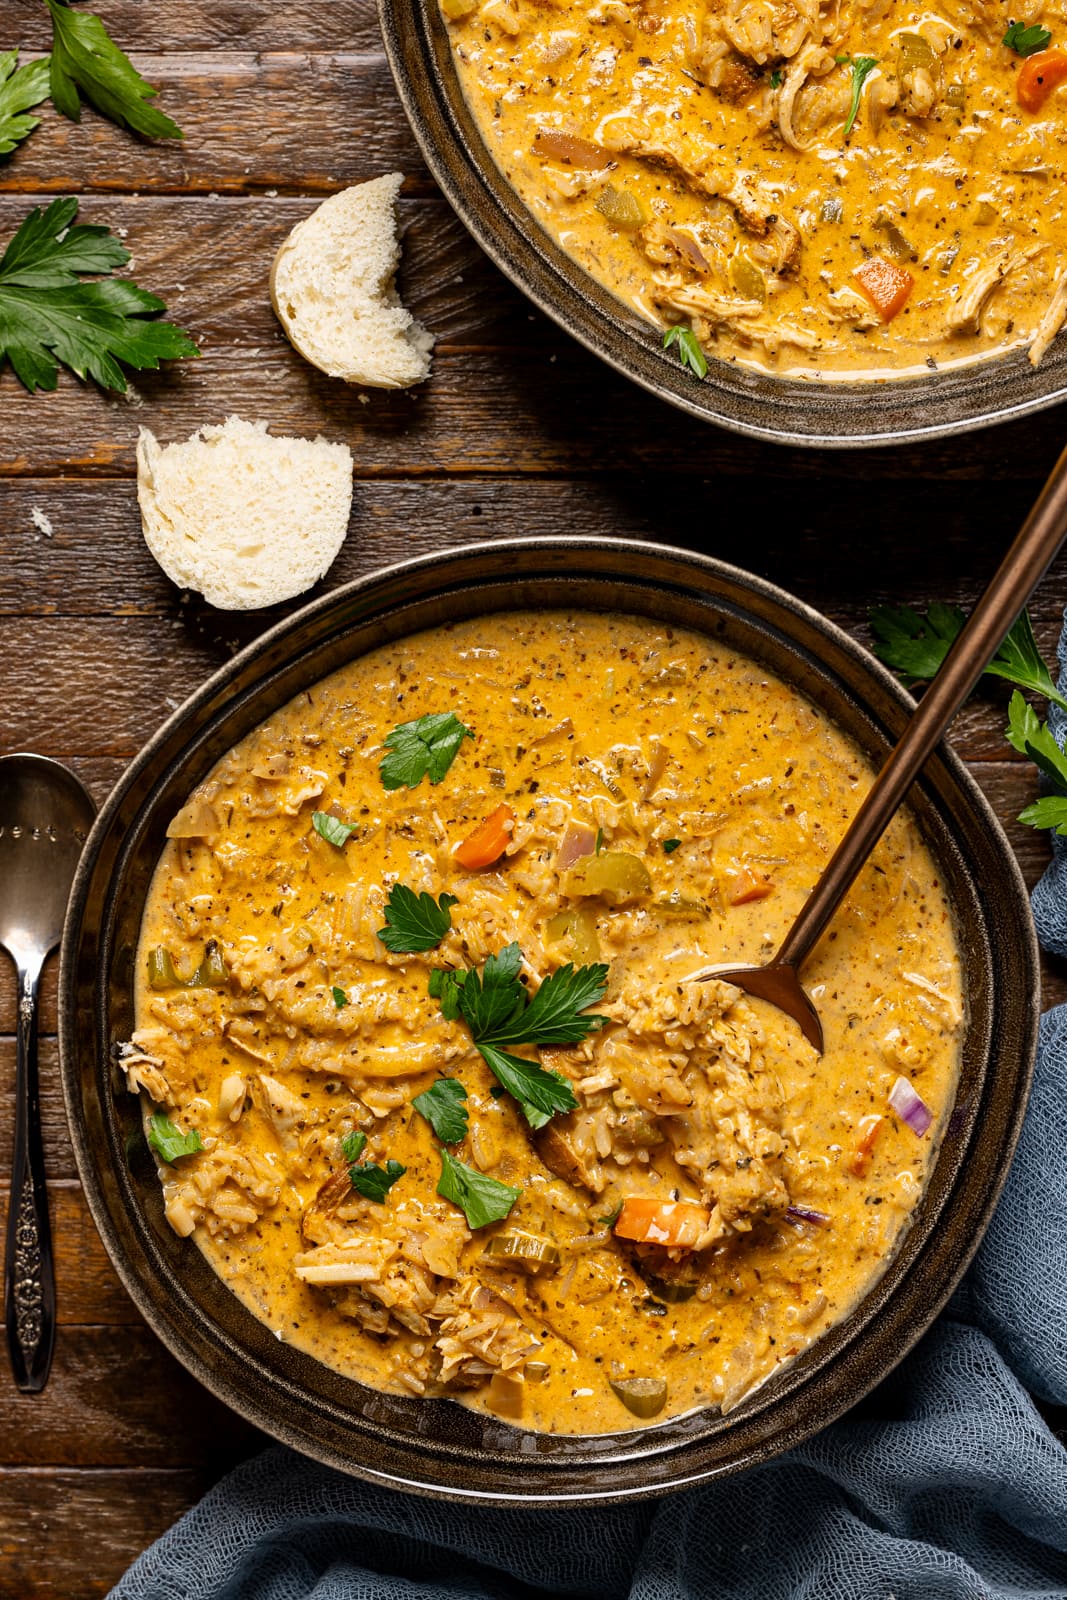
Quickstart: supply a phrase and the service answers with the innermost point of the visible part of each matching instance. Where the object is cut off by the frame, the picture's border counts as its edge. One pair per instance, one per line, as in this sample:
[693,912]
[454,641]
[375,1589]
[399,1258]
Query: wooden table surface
[519,431]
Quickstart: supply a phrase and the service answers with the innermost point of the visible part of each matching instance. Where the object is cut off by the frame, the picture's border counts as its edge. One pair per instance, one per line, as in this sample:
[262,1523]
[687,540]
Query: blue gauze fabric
[957,1492]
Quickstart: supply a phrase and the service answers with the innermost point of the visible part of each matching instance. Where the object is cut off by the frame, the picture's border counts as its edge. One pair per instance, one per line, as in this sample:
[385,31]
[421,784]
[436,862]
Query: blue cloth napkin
[958,1492]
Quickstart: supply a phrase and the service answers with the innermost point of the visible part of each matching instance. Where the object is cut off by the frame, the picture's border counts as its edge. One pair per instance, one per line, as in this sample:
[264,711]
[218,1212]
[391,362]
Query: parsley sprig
[49,315]
[372,1182]
[481,1199]
[21,88]
[169,1142]
[501,1017]
[862,67]
[424,748]
[415,922]
[689,352]
[444,1106]
[332,829]
[914,645]
[87,61]
[1034,738]
[1026,40]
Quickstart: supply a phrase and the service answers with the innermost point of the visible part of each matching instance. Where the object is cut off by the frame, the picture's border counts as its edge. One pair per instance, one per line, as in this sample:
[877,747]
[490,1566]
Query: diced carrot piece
[746,885]
[488,841]
[678,1224]
[886,285]
[1038,76]
[861,1158]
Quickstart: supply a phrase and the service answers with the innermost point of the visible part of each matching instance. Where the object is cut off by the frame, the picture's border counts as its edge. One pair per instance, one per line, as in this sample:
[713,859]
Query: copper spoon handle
[1016,578]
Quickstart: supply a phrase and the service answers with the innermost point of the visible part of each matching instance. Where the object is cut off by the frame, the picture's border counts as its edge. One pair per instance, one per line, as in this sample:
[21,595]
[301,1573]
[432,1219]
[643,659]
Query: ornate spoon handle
[29,1283]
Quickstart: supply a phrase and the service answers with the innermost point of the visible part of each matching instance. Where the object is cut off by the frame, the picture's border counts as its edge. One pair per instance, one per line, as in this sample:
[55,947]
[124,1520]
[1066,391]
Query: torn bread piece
[245,518]
[333,291]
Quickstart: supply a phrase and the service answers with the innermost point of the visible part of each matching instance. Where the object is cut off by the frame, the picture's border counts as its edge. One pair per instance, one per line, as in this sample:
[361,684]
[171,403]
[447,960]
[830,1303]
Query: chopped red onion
[578,841]
[807,1214]
[910,1106]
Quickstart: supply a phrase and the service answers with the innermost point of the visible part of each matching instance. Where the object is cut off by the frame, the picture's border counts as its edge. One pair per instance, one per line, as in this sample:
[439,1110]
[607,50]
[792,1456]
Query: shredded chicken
[1051,322]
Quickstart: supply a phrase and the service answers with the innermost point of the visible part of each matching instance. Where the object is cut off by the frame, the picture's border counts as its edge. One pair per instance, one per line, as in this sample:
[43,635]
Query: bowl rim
[612,553]
[777,410]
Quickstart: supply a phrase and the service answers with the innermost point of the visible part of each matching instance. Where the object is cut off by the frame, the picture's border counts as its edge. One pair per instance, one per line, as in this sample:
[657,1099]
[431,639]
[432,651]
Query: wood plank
[179,26]
[506,391]
[252,121]
[135,1405]
[95,563]
[70,1535]
[88,1290]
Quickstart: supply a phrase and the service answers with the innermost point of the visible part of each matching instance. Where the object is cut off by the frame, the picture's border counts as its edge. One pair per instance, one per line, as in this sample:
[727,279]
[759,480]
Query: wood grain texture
[135,1407]
[70,1534]
[183,26]
[252,121]
[510,394]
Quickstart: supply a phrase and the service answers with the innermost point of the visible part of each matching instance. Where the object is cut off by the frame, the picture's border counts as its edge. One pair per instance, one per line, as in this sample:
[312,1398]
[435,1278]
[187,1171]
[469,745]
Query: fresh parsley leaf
[353,1145]
[1048,812]
[426,747]
[598,843]
[495,1007]
[1026,41]
[1033,738]
[1021,662]
[332,829]
[487,1001]
[169,1143]
[372,1182]
[540,1093]
[689,352]
[20,91]
[915,647]
[670,846]
[912,644]
[85,58]
[776,78]
[862,67]
[415,921]
[552,1016]
[48,316]
[481,1199]
[443,1105]
[612,1217]
[445,986]
[340,999]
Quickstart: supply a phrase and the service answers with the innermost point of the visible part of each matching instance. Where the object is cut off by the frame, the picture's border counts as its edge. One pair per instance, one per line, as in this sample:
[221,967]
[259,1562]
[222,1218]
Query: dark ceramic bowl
[766,407]
[436,1446]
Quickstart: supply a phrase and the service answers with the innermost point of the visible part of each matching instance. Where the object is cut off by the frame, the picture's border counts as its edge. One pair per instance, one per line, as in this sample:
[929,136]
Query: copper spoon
[45,815]
[1017,576]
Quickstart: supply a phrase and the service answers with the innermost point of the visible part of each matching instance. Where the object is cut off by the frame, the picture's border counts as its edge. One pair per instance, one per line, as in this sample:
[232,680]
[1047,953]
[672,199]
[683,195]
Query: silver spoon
[1017,576]
[45,816]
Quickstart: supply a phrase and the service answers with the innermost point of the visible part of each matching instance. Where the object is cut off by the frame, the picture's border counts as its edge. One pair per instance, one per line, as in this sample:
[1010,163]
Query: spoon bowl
[45,818]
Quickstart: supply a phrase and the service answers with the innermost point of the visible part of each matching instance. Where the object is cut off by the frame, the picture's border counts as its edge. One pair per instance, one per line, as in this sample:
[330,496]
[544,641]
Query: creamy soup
[423,1062]
[836,190]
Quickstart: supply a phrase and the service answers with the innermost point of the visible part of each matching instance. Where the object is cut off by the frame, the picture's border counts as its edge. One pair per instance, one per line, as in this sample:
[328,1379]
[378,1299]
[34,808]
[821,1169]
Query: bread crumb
[41,522]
